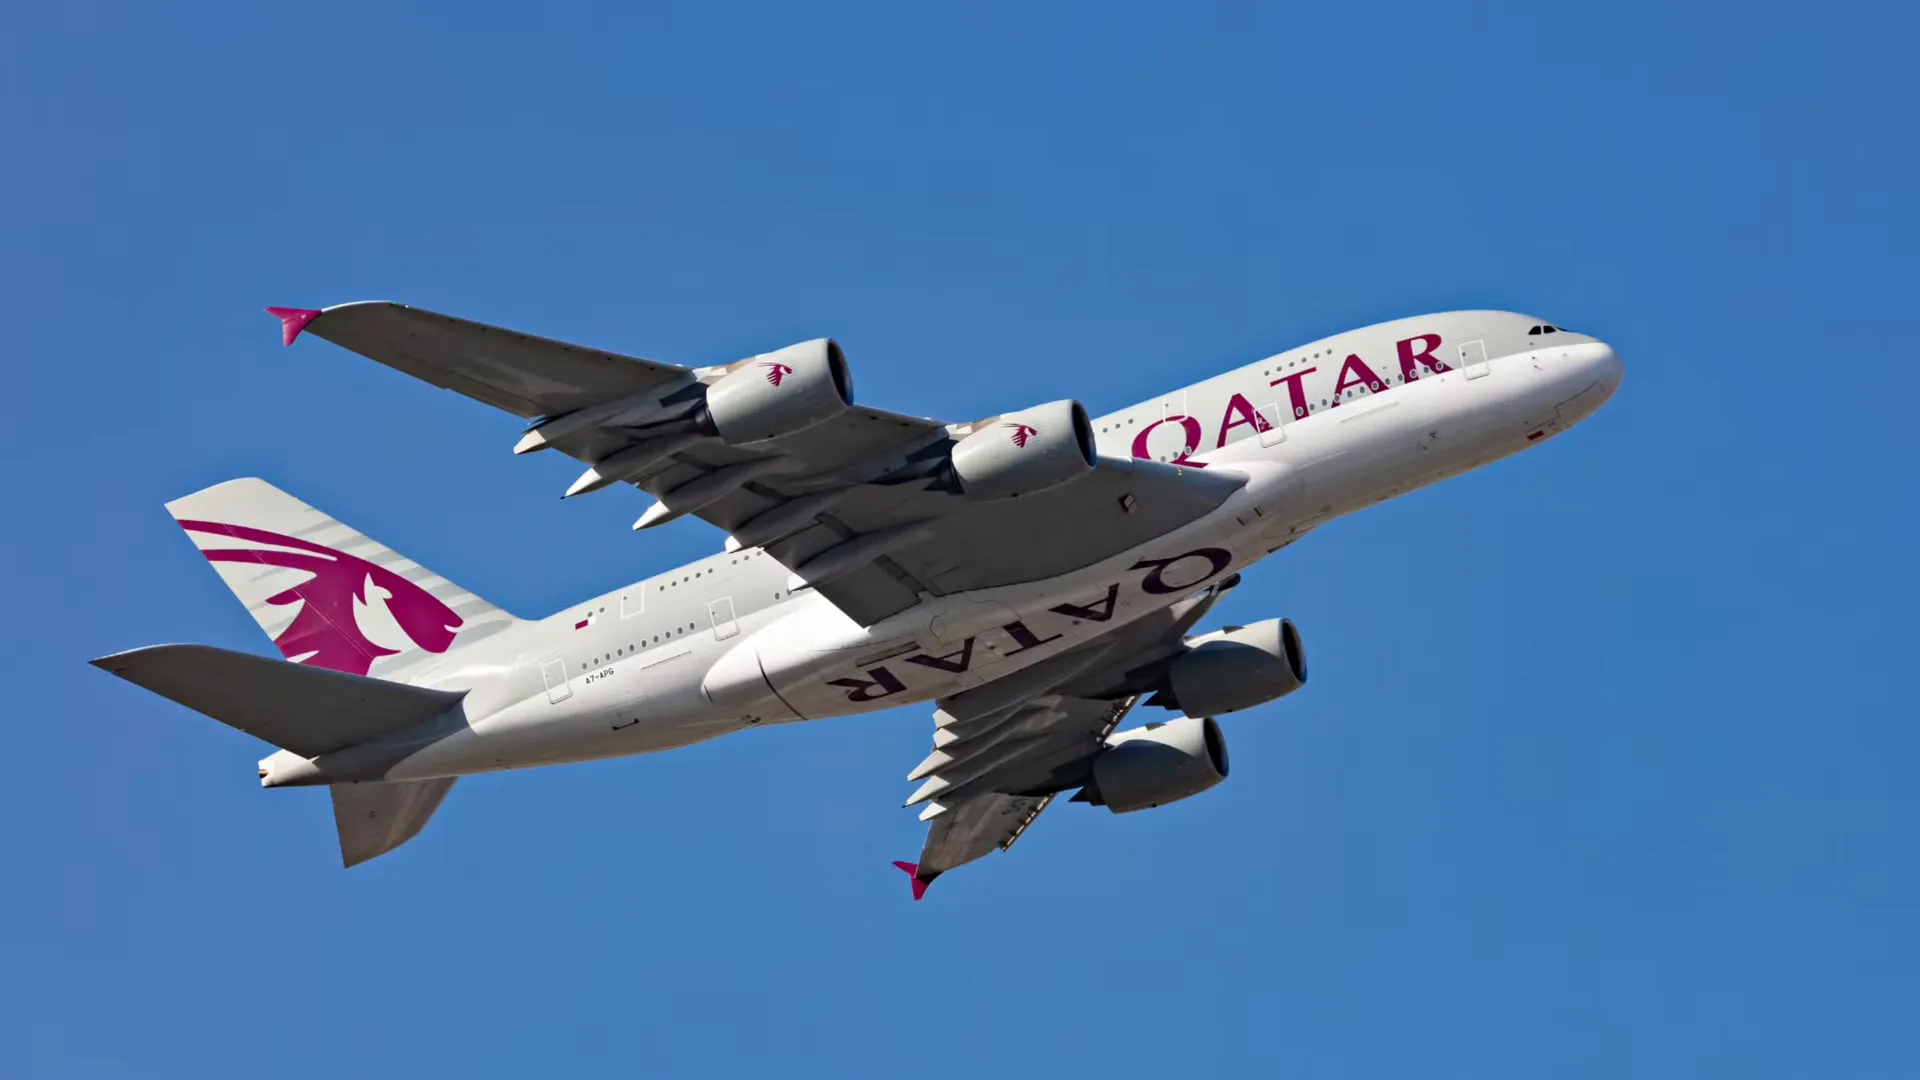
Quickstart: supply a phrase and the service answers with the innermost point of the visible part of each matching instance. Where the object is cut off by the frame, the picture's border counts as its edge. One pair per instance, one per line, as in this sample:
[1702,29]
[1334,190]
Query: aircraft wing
[525,375]
[1004,751]
[857,506]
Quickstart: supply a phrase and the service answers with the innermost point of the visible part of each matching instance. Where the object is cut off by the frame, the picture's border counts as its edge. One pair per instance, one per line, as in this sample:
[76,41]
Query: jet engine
[780,393]
[1238,668]
[1157,764]
[1020,453]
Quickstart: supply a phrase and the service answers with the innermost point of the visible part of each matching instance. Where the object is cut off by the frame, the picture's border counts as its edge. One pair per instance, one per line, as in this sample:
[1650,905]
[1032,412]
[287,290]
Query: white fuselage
[733,641]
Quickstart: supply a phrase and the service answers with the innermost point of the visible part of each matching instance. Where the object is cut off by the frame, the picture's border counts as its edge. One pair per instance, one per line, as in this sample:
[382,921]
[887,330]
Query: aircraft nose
[1592,371]
[1597,366]
[1607,367]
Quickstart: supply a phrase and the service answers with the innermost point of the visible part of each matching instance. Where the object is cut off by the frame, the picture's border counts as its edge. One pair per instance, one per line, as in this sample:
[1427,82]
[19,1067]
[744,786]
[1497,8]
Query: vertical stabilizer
[327,595]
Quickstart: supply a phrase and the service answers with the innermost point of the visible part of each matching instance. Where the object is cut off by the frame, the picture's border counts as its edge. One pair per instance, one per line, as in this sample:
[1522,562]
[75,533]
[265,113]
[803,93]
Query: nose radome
[1596,365]
[1592,369]
[1607,367]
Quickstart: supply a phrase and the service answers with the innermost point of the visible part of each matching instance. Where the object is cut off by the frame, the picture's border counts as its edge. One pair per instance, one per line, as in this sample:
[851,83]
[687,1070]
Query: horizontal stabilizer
[374,818]
[305,709]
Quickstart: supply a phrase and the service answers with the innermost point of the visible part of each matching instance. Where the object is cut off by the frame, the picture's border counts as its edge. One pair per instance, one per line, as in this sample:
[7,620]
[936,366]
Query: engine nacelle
[1157,764]
[1236,669]
[780,393]
[1027,451]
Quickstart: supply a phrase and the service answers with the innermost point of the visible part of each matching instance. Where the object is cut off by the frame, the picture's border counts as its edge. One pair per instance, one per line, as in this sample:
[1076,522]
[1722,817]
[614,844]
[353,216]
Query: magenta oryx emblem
[326,631]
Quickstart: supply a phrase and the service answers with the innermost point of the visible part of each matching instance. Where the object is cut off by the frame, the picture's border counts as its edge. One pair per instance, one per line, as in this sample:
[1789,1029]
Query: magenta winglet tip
[912,871]
[292,321]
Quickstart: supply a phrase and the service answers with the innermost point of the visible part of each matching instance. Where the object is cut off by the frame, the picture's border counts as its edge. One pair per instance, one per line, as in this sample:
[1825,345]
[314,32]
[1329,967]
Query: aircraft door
[553,672]
[724,624]
[1473,358]
[1170,436]
[1174,405]
[1271,430]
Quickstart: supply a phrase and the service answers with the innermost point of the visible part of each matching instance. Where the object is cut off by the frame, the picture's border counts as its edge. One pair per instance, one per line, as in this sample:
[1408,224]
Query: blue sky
[1606,764]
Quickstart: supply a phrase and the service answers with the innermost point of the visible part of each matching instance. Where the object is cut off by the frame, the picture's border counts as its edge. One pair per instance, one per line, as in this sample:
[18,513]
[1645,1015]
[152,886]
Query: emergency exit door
[1473,358]
[1271,430]
[721,612]
[553,672]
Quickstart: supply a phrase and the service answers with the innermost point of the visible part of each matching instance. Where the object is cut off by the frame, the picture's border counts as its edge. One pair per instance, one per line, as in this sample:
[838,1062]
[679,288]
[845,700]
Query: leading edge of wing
[520,373]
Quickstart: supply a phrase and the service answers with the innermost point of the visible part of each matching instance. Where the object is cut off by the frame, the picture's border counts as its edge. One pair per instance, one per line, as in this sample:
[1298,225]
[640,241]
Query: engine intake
[1157,764]
[780,393]
[1238,668]
[1027,451]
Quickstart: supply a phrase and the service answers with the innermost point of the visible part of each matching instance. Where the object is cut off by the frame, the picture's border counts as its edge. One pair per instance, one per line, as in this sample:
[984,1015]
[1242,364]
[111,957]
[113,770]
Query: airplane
[1036,575]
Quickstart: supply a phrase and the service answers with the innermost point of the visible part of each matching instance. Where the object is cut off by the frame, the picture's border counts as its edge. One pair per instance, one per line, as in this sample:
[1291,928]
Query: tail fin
[328,596]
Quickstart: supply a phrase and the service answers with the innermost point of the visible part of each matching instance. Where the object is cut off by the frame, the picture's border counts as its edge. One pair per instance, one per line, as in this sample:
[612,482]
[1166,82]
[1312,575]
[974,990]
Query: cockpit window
[1543,330]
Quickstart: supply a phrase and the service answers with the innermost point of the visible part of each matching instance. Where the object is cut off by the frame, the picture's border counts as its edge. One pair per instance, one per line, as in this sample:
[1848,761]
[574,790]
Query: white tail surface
[296,707]
[374,818]
[326,594]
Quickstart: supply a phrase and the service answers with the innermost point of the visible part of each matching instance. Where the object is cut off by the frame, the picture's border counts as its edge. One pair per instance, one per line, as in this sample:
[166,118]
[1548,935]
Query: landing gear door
[1473,358]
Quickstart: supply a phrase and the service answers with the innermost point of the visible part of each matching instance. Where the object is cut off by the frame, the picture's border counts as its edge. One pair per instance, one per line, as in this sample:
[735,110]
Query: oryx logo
[327,631]
[776,372]
[1021,433]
